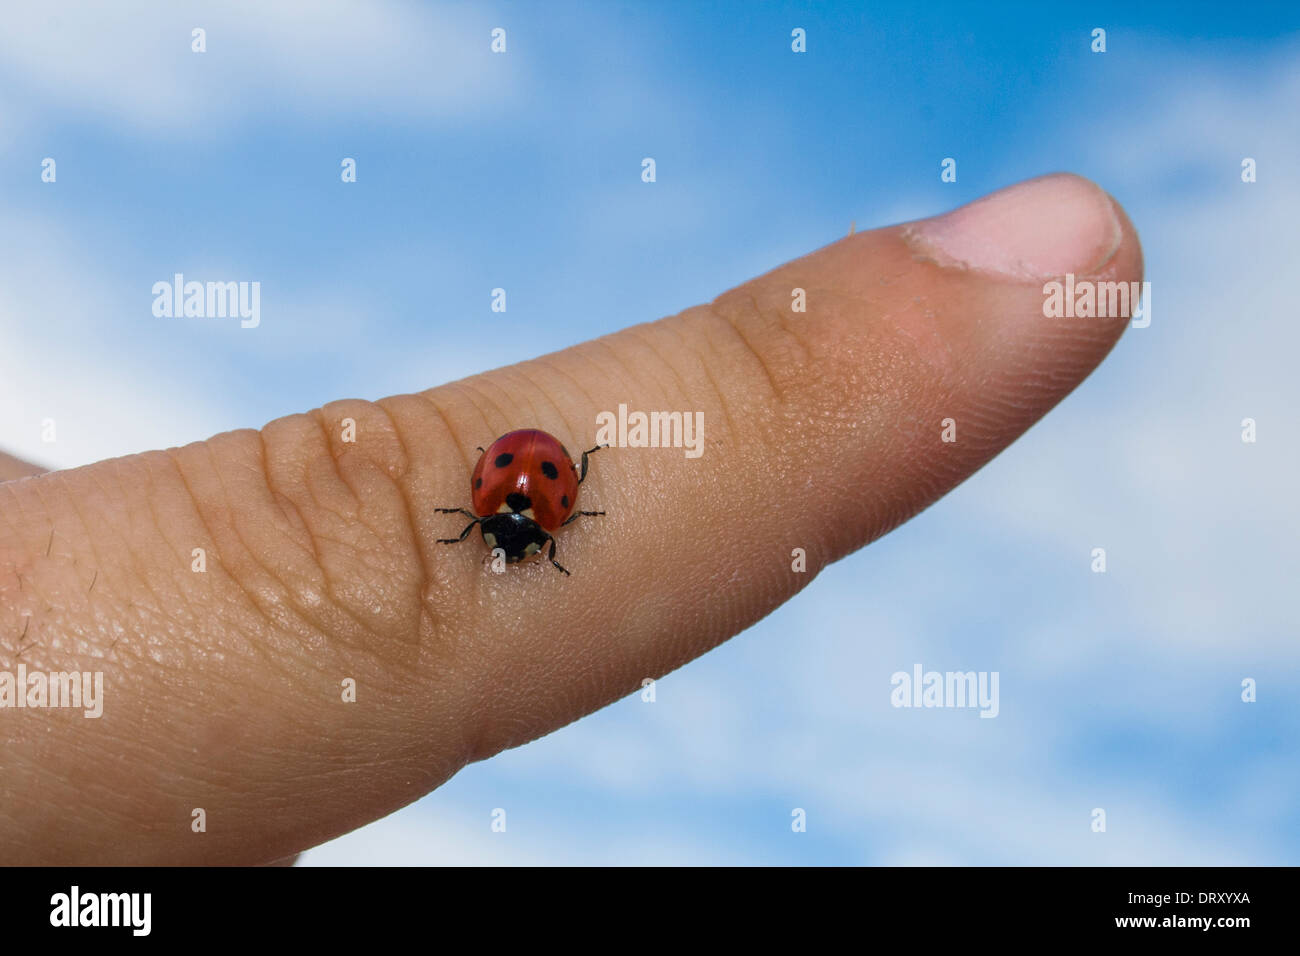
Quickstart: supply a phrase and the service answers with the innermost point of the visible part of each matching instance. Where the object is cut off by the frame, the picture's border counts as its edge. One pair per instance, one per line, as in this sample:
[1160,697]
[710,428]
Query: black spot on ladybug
[550,471]
[518,502]
[504,459]
[564,501]
[478,483]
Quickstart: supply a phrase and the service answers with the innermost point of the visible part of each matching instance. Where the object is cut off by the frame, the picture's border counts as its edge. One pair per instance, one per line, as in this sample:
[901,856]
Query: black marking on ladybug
[478,483]
[517,536]
[504,459]
[550,471]
[564,501]
[518,502]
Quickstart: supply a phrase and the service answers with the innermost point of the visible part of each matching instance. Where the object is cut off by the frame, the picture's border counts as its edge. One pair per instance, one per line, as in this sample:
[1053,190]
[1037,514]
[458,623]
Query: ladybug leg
[550,556]
[574,517]
[463,535]
[582,475]
[455,511]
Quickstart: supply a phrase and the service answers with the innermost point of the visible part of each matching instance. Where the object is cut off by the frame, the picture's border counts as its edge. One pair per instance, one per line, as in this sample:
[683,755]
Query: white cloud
[131,62]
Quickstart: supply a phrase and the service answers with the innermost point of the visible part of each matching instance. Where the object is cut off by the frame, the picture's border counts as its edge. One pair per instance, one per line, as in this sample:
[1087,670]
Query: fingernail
[1033,230]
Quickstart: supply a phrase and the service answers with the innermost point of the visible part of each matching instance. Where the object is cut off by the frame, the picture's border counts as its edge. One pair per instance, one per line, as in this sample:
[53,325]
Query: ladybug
[524,487]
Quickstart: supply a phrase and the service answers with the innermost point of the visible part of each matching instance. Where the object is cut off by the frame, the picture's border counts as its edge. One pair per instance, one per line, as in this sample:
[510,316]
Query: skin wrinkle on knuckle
[252,542]
[543,386]
[549,364]
[745,350]
[684,348]
[768,335]
[693,340]
[480,394]
[395,463]
[693,345]
[826,376]
[747,359]
[412,522]
[635,382]
[627,379]
[504,382]
[695,349]
[638,334]
[351,498]
[223,597]
[213,511]
[444,419]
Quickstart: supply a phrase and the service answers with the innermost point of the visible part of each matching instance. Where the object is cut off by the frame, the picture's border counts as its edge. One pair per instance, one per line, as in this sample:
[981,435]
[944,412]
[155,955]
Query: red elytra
[530,466]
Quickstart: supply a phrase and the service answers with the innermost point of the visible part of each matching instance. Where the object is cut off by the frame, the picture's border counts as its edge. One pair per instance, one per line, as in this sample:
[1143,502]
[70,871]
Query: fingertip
[1040,228]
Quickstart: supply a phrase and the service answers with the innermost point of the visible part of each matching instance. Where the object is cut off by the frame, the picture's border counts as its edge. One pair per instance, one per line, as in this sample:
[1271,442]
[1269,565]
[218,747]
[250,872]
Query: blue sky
[522,171]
